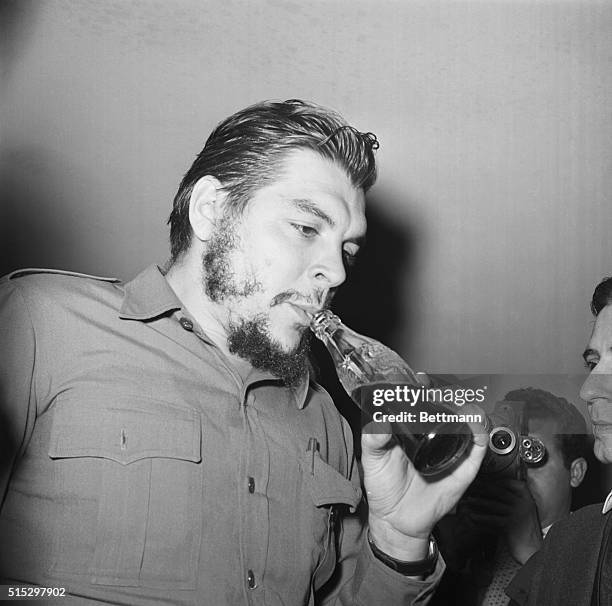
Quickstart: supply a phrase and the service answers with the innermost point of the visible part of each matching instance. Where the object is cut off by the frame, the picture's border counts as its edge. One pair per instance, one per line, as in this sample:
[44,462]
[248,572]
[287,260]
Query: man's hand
[505,506]
[404,506]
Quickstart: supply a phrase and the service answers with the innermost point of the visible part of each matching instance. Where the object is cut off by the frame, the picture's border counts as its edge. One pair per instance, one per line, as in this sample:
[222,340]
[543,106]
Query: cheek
[261,265]
[534,483]
[603,448]
[547,481]
[284,269]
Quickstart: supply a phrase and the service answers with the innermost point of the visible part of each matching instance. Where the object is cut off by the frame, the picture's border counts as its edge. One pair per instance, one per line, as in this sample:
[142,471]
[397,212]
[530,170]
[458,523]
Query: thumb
[478,426]
[376,439]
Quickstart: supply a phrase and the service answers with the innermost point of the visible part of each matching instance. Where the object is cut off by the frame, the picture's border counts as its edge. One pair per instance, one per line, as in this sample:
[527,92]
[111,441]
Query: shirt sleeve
[360,579]
[17,360]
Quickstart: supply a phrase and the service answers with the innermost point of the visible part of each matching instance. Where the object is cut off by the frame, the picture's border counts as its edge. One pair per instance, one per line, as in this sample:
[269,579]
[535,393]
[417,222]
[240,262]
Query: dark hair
[571,434]
[245,152]
[602,296]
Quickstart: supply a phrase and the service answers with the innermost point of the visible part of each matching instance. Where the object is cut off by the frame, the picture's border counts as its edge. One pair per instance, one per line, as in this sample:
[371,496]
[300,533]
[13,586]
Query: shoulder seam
[61,272]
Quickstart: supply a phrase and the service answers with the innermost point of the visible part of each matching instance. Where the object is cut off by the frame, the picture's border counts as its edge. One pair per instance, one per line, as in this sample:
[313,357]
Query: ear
[205,206]
[578,470]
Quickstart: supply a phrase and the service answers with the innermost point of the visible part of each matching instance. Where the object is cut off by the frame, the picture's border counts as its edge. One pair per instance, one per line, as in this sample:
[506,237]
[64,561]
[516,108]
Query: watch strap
[414,568]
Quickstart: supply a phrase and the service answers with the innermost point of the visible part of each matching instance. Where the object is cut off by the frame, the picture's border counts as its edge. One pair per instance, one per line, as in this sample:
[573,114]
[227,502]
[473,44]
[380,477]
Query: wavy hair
[246,152]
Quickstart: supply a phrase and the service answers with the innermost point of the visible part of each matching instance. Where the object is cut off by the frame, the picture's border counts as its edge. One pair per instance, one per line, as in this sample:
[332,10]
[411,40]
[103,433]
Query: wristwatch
[415,568]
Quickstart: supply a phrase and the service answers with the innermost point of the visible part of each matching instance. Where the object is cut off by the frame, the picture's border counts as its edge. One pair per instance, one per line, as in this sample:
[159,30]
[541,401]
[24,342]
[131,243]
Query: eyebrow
[308,206]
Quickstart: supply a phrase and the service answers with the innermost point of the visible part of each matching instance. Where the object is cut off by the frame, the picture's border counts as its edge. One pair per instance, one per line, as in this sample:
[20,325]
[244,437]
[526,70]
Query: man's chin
[290,341]
[287,360]
[603,450]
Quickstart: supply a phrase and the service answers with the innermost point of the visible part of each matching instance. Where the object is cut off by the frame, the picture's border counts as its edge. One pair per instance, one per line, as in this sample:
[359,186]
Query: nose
[328,271]
[597,385]
[587,390]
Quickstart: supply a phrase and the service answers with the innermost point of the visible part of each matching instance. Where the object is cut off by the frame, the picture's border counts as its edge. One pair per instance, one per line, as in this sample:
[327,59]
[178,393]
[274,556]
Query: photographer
[502,519]
[574,565]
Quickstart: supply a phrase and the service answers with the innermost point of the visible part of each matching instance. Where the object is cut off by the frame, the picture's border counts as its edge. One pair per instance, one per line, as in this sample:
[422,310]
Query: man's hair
[571,434]
[602,296]
[246,151]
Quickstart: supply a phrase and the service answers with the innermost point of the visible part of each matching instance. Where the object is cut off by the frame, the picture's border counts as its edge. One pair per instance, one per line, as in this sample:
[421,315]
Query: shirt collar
[299,393]
[607,504]
[148,296]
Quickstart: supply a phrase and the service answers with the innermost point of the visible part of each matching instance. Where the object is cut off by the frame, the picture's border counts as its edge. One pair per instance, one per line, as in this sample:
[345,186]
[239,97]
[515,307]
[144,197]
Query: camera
[510,448]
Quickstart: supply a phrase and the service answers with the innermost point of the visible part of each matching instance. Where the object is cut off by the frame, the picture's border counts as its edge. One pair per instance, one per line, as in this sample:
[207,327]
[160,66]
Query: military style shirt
[140,468]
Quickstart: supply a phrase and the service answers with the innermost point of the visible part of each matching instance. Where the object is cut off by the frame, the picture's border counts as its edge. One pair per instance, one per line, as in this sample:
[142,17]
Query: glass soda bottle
[362,363]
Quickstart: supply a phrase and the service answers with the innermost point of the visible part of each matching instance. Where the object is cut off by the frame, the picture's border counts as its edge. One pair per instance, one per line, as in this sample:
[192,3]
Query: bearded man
[167,443]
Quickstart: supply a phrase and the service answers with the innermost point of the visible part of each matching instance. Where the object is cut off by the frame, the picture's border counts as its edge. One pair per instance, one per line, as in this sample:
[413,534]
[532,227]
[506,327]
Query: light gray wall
[495,127]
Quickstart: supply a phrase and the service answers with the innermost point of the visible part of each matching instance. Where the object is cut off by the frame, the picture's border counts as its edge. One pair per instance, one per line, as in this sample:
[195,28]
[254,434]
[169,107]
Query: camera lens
[502,440]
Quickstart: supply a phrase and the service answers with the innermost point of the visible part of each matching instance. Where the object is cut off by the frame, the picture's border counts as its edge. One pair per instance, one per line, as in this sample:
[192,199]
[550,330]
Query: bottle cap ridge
[324,324]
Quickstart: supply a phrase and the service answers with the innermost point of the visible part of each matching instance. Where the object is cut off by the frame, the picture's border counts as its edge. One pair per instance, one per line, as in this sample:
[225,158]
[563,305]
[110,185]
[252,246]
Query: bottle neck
[328,328]
[325,324]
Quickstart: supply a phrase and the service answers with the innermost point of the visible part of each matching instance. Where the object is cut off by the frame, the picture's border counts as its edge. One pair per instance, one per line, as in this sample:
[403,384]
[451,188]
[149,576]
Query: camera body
[510,448]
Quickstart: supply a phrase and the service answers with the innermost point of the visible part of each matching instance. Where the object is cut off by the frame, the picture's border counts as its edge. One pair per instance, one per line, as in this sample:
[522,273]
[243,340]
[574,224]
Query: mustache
[317,299]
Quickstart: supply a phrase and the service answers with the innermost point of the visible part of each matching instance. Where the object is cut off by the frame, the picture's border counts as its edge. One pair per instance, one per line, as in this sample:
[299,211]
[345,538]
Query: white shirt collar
[607,503]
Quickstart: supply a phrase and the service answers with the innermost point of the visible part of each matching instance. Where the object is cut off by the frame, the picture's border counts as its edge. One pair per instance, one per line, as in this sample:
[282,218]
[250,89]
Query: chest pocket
[332,494]
[130,484]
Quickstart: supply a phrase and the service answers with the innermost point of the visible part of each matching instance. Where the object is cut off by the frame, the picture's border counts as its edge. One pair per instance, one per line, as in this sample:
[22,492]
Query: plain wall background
[491,219]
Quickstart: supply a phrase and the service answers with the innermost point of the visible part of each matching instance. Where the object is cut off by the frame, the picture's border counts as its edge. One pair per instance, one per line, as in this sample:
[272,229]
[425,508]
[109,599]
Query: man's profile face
[282,259]
[597,389]
[549,484]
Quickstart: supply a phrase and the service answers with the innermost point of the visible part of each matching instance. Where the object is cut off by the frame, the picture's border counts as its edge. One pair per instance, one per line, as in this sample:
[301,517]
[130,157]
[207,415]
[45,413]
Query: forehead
[305,174]
[601,337]
[545,428]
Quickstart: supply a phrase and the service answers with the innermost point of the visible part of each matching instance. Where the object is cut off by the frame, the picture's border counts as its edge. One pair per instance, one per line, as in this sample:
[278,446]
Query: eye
[307,231]
[591,362]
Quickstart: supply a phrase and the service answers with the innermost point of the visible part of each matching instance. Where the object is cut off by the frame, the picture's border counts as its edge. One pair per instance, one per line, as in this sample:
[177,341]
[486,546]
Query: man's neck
[185,279]
[559,513]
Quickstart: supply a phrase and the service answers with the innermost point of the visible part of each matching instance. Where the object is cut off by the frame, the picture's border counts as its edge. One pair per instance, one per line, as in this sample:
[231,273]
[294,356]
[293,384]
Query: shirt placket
[252,483]
[253,500]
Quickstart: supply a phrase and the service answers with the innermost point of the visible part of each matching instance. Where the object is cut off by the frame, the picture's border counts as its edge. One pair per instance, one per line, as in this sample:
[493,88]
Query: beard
[219,279]
[249,338]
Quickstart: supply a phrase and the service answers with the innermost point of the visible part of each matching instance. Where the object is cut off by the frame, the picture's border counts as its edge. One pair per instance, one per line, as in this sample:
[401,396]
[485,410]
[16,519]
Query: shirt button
[251,579]
[251,485]
[186,323]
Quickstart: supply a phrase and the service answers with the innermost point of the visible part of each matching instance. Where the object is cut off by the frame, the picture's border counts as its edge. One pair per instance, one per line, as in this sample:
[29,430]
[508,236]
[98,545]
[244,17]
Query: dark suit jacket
[573,567]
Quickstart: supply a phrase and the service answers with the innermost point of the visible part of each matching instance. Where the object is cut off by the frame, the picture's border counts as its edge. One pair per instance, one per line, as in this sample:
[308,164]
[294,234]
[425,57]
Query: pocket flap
[125,430]
[328,486]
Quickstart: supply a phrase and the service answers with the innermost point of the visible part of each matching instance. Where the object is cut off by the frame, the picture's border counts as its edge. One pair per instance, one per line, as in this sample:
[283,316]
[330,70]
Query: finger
[475,457]
[488,520]
[375,444]
[512,491]
[517,486]
[494,491]
[481,436]
[475,505]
